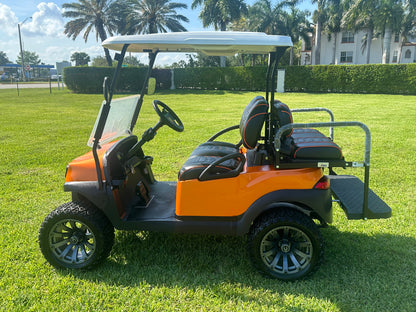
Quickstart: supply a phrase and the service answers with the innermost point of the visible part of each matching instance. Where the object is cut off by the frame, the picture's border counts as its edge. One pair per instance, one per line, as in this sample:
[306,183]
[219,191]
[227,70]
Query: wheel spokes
[72,241]
[286,250]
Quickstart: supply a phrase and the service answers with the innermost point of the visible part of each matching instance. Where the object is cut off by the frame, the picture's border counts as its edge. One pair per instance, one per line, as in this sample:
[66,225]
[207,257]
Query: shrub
[374,78]
[90,79]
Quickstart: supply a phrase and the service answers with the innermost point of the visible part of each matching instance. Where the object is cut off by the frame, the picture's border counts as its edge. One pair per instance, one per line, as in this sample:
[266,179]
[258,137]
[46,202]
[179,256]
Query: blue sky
[43,33]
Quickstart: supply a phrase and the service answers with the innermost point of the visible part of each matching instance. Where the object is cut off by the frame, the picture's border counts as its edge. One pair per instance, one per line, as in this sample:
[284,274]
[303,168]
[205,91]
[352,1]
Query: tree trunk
[386,46]
[334,48]
[317,47]
[369,40]
[291,56]
[222,58]
[399,56]
[108,57]
[103,36]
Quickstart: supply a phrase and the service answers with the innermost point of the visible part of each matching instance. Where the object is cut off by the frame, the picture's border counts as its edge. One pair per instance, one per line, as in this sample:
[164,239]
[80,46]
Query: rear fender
[314,203]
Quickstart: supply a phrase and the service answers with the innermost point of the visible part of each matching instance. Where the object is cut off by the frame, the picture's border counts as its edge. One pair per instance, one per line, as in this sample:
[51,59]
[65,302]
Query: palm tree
[296,26]
[408,24]
[360,15]
[388,19]
[334,12]
[219,13]
[154,16]
[267,18]
[319,18]
[91,15]
[378,16]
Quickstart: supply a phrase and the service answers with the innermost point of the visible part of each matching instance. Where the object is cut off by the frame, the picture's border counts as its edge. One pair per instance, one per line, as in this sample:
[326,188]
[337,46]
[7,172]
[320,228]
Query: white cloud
[8,21]
[47,21]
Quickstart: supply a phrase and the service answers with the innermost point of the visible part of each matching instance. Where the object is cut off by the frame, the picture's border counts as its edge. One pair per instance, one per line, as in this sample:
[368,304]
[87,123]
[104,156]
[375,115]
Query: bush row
[375,78]
[90,79]
[390,79]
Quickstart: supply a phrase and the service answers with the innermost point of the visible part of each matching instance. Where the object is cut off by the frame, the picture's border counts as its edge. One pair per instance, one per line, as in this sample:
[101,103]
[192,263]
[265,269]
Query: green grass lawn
[368,266]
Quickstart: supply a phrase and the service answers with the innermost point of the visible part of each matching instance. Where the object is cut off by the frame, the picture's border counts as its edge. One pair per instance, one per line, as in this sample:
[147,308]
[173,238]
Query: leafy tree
[29,58]
[80,58]
[153,16]
[132,61]
[3,58]
[101,16]
[99,61]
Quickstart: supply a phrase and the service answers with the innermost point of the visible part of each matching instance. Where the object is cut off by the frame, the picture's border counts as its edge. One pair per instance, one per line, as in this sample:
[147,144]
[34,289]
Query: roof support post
[108,95]
[152,58]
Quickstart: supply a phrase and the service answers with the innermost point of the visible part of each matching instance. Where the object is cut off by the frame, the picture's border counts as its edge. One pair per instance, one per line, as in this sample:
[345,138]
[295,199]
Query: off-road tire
[285,244]
[76,236]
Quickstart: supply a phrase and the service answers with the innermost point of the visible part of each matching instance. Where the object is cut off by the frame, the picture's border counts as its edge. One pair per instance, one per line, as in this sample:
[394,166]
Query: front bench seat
[215,159]
[303,144]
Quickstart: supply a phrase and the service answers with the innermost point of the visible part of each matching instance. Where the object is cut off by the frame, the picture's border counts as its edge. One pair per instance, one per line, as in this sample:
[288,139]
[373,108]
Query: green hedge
[228,78]
[376,78]
[388,79]
[90,79]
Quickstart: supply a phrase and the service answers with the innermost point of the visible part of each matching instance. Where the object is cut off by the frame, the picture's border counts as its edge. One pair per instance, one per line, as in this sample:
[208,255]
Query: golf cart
[269,186]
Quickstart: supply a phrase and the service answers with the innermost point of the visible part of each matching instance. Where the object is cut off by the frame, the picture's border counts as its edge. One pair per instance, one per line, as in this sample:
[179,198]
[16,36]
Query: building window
[395,55]
[347,37]
[346,57]
[408,54]
[396,37]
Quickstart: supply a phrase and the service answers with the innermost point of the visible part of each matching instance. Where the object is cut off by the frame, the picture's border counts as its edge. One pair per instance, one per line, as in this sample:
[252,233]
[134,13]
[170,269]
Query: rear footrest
[349,190]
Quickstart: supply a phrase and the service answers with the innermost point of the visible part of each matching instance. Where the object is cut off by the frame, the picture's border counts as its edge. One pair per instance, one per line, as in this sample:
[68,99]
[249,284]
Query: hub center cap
[285,246]
[75,239]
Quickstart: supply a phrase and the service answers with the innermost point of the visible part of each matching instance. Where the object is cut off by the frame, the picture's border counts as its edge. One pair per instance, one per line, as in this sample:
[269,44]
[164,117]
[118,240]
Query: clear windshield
[118,121]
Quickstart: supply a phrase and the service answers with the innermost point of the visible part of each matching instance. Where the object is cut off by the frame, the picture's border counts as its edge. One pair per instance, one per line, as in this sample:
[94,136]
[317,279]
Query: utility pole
[21,48]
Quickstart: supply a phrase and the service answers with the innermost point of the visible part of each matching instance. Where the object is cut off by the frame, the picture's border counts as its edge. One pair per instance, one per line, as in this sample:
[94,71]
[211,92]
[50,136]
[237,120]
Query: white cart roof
[207,42]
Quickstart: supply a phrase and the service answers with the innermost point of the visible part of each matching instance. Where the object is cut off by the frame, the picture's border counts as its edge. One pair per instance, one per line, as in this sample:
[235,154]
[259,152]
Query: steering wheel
[168,116]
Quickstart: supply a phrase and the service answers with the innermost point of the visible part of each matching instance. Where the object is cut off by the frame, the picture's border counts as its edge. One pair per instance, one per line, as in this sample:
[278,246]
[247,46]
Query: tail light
[323,183]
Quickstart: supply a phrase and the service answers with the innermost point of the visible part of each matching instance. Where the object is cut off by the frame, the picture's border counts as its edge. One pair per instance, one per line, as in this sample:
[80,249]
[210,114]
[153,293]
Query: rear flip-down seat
[303,144]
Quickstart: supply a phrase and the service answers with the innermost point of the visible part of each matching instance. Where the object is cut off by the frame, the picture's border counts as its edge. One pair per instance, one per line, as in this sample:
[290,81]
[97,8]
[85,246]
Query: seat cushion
[311,146]
[195,165]
[214,148]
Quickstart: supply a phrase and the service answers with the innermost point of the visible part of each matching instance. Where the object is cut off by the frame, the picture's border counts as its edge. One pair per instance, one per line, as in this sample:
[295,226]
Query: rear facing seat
[303,144]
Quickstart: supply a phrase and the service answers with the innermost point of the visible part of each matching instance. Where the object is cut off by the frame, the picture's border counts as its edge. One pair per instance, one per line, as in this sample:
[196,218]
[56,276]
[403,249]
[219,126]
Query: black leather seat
[305,144]
[215,159]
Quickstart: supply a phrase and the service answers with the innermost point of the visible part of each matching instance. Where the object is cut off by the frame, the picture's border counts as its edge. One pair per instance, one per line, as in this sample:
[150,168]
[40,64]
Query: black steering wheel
[168,116]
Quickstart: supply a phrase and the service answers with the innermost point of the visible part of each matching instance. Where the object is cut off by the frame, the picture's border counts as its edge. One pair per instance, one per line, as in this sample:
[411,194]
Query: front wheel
[76,236]
[285,244]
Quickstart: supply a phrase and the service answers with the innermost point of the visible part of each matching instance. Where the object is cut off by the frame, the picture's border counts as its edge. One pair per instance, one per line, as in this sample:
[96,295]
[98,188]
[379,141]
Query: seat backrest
[252,121]
[282,116]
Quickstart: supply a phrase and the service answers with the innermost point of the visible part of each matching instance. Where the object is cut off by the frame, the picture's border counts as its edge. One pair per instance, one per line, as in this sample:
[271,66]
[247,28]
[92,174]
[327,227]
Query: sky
[43,33]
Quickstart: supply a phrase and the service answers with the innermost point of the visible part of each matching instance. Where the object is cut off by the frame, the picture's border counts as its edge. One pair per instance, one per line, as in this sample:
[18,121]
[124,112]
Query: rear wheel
[285,244]
[76,236]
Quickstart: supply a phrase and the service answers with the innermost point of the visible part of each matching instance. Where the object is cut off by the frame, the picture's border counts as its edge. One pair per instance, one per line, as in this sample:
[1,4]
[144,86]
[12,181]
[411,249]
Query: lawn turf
[369,265]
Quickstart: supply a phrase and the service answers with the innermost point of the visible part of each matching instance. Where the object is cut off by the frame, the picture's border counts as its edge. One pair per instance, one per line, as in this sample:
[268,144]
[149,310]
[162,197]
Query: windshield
[118,121]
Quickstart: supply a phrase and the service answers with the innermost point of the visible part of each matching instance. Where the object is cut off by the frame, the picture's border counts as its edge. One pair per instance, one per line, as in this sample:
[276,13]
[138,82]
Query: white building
[348,50]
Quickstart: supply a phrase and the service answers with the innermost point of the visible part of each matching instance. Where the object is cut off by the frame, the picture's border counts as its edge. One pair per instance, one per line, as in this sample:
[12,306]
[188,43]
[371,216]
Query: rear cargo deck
[349,191]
